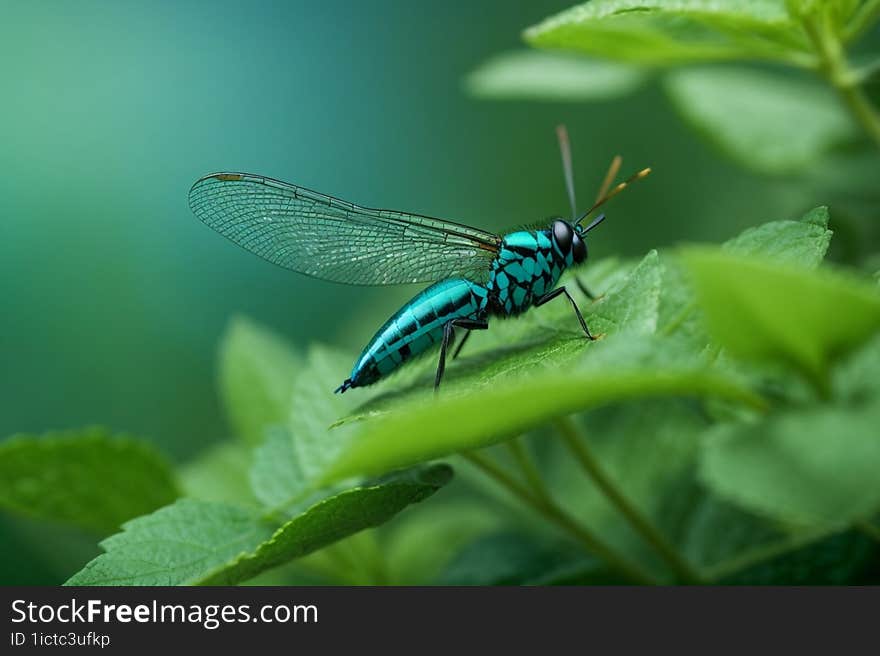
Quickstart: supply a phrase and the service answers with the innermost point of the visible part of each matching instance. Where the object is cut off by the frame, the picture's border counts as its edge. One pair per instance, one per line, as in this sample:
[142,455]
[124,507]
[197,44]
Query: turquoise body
[528,265]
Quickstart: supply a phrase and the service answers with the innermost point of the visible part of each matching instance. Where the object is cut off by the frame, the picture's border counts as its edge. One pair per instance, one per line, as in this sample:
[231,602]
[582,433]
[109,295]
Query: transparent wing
[332,239]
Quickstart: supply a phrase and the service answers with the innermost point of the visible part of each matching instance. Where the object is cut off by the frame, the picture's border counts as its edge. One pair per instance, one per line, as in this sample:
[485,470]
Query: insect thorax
[527,267]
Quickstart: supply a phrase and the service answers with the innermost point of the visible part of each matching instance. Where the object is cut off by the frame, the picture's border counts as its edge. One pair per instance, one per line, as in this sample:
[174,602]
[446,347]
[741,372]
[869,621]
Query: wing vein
[329,238]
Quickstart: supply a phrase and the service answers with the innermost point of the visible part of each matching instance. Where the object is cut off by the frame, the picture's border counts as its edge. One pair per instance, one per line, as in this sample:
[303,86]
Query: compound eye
[562,235]
[578,249]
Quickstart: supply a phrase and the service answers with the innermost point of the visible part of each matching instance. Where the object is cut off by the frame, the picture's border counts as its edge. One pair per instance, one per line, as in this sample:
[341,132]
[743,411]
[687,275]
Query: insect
[475,274]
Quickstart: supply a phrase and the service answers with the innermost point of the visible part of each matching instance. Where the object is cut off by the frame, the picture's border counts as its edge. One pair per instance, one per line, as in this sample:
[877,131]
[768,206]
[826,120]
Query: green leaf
[857,379]
[662,32]
[802,242]
[762,310]
[277,477]
[314,408]
[219,474]
[769,122]
[811,467]
[197,542]
[530,75]
[257,372]
[288,465]
[335,518]
[419,429]
[87,478]
[511,558]
[177,545]
[634,308]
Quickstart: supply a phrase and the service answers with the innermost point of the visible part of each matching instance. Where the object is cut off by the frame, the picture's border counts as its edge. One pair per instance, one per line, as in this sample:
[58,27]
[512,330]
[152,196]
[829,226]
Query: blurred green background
[114,295]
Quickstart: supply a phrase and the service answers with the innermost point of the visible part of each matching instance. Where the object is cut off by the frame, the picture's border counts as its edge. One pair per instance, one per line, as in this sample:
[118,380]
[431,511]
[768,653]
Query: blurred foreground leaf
[531,75]
[419,430]
[88,478]
[763,310]
[810,467]
[758,118]
[204,543]
[803,242]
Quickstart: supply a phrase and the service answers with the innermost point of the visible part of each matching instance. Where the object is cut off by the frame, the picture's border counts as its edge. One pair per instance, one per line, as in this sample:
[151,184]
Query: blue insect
[476,274]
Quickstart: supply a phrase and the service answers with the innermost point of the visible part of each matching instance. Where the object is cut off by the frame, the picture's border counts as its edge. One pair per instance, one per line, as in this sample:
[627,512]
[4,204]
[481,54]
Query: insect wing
[328,238]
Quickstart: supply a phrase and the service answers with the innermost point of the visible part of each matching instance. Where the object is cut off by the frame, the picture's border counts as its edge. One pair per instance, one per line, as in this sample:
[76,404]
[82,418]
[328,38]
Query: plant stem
[760,555]
[528,468]
[773,550]
[836,69]
[867,71]
[553,513]
[864,18]
[582,453]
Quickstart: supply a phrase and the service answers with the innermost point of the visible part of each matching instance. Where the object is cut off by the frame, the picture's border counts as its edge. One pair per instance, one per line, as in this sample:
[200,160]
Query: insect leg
[584,290]
[460,345]
[441,365]
[467,324]
[549,296]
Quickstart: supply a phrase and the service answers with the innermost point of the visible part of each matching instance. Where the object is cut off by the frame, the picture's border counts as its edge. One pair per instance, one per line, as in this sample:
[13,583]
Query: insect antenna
[609,177]
[611,194]
[567,168]
[593,223]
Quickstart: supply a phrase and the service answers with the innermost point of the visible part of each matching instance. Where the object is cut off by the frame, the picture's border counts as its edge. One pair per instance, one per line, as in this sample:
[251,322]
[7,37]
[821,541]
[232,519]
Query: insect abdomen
[416,327]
